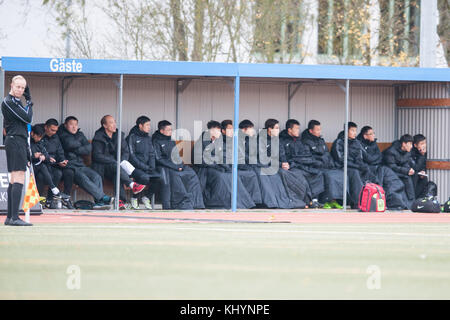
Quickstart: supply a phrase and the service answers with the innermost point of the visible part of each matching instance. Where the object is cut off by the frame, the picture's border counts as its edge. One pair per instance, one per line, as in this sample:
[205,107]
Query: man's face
[316,131]
[294,131]
[370,135]
[407,146]
[421,146]
[250,131]
[275,131]
[228,131]
[214,133]
[110,124]
[145,127]
[352,133]
[51,130]
[167,131]
[18,87]
[72,126]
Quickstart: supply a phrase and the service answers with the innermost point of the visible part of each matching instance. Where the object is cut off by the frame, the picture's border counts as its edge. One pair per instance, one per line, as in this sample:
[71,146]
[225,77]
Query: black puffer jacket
[296,153]
[104,150]
[420,160]
[75,146]
[371,153]
[54,147]
[398,160]
[319,150]
[355,158]
[164,150]
[142,153]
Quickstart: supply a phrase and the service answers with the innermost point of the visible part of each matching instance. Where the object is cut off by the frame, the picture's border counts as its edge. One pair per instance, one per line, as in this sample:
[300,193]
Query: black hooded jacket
[355,158]
[371,153]
[142,154]
[319,150]
[75,146]
[104,150]
[398,160]
[296,153]
[164,149]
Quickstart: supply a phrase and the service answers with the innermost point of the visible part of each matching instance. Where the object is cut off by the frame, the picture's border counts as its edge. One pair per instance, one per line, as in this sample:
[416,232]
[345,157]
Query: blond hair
[17,78]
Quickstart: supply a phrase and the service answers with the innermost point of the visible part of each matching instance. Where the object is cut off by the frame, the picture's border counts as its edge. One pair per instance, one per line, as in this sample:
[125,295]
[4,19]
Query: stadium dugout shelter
[393,100]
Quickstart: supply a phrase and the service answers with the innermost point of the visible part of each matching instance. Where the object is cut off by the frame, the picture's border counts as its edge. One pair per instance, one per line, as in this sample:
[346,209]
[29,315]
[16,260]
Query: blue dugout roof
[213,69]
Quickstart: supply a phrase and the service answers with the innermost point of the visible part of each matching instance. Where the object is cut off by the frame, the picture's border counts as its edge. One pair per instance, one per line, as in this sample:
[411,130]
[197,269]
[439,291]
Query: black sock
[16,193]
[9,201]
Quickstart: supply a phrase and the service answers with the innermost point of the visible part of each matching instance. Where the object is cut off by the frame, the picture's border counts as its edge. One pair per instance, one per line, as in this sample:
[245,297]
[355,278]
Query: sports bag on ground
[447,206]
[372,198]
[426,205]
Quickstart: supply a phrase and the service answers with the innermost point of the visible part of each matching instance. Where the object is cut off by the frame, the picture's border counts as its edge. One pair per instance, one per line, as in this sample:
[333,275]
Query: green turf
[226,261]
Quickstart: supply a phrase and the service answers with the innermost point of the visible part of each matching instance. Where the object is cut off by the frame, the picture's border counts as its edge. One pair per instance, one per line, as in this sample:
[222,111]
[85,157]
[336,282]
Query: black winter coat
[38,147]
[371,153]
[297,154]
[420,160]
[54,147]
[396,159]
[355,158]
[104,150]
[75,146]
[142,154]
[319,150]
[164,150]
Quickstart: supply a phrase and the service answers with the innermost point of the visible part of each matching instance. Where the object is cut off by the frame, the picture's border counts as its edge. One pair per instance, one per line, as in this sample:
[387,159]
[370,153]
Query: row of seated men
[287,169]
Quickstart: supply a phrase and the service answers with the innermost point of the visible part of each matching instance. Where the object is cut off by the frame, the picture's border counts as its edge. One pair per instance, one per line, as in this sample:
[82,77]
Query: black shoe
[20,223]
[316,204]
[66,201]
[100,205]
[7,221]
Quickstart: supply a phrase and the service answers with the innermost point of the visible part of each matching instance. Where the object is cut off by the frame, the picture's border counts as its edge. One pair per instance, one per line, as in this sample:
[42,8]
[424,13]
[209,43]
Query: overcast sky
[25,34]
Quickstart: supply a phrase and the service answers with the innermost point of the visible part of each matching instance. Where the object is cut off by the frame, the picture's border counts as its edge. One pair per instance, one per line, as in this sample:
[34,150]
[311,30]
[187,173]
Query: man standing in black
[16,118]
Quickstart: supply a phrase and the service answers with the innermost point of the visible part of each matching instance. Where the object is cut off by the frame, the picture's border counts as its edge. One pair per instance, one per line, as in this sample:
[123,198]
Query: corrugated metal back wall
[203,100]
[433,122]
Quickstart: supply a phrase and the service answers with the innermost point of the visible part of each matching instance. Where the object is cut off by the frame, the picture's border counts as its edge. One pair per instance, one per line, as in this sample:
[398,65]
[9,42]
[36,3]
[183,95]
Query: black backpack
[427,205]
[447,206]
[84,205]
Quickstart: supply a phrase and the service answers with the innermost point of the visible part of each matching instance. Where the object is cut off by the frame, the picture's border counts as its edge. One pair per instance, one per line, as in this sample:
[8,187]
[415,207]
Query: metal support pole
[347,101]
[237,83]
[2,95]
[119,143]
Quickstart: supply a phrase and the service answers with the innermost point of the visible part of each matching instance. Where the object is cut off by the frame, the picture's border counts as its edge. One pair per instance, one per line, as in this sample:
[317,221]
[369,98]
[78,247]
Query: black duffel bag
[427,204]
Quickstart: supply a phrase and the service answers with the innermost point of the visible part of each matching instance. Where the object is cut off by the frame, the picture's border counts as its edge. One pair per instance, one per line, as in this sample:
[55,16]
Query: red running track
[217,216]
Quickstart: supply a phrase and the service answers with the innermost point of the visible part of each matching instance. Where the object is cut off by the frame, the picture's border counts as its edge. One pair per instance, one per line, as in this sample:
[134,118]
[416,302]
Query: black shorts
[16,148]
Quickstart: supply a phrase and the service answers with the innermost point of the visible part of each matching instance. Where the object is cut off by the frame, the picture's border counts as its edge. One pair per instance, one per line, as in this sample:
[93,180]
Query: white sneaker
[147,203]
[134,203]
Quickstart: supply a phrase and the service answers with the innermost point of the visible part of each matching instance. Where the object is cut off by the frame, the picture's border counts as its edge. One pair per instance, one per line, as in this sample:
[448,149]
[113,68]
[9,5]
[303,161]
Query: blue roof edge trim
[216,69]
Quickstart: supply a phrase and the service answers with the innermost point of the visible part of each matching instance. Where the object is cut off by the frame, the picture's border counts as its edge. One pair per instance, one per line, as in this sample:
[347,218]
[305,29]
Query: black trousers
[157,183]
[110,174]
[90,181]
[58,174]
[43,177]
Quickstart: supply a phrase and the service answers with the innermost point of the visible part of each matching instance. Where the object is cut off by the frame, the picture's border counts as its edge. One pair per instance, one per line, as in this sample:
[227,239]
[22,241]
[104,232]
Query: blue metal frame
[213,69]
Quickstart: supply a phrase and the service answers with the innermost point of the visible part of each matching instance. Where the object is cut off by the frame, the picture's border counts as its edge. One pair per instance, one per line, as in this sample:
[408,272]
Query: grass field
[226,261]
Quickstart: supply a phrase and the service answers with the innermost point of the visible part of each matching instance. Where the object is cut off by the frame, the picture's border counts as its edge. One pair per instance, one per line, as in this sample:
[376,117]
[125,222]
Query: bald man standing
[16,117]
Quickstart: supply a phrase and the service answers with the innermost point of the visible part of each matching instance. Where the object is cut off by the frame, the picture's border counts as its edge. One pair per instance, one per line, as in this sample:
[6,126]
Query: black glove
[27,94]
